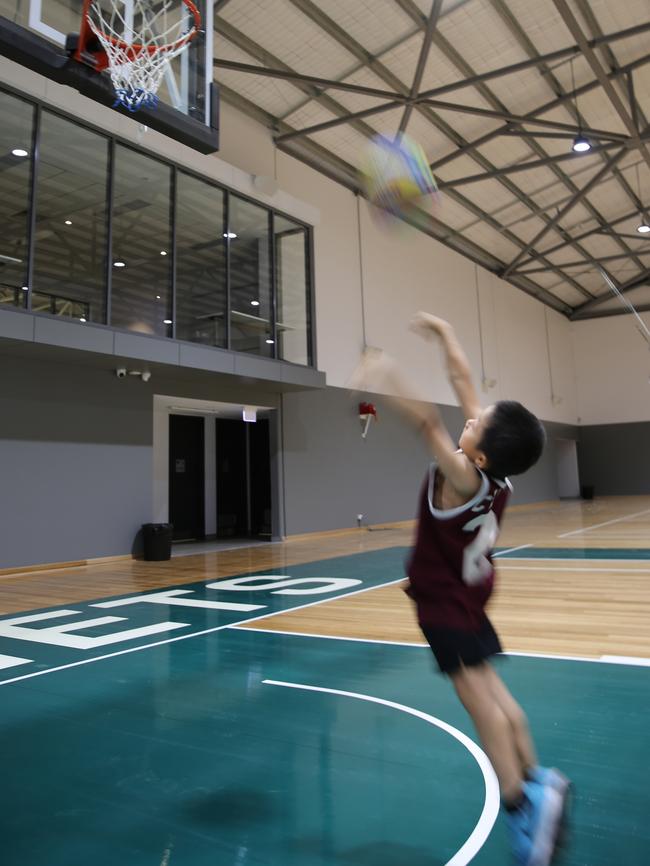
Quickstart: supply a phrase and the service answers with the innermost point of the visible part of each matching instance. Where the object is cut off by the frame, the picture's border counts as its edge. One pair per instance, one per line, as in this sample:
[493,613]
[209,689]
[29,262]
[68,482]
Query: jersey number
[476,565]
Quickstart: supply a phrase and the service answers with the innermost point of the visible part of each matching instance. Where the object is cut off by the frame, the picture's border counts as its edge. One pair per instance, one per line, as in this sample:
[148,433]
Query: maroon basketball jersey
[450,567]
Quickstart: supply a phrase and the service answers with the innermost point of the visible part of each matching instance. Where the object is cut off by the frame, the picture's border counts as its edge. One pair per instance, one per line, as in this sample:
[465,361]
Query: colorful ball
[396,177]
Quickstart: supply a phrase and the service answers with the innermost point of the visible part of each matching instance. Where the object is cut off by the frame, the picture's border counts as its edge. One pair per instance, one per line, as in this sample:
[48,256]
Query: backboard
[34,32]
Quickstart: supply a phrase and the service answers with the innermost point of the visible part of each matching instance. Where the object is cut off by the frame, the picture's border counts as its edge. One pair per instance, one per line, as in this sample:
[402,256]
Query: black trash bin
[157,541]
[587,491]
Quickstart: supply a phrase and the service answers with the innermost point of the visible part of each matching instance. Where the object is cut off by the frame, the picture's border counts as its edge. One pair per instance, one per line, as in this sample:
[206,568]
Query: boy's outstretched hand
[373,368]
[426,324]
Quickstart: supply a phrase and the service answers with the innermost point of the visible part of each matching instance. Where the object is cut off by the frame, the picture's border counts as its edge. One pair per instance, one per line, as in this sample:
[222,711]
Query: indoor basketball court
[209,211]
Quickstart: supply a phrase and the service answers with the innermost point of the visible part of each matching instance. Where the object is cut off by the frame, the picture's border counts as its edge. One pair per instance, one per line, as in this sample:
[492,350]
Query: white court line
[511,550]
[606,523]
[136,649]
[242,627]
[567,559]
[626,660]
[567,568]
[487,819]
[614,660]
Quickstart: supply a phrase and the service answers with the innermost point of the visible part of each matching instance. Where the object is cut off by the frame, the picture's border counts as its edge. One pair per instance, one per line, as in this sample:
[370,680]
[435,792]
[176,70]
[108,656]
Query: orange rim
[135,50]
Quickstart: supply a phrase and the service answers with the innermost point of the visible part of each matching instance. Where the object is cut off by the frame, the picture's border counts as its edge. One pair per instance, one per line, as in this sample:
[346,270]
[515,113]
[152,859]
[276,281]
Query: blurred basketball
[396,177]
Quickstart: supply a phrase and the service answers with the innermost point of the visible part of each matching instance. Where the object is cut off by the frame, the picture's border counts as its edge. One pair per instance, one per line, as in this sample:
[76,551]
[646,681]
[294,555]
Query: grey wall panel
[16,325]
[76,456]
[332,474]
[615,458]
[204,358]
[146,348]
[73,335]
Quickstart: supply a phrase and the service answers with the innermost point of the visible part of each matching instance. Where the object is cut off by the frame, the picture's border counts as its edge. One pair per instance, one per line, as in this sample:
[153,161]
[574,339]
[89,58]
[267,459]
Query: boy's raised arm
[460,374]
[378,370]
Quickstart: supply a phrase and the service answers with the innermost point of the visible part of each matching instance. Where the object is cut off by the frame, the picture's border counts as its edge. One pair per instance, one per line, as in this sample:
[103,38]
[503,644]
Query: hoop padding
[140,38]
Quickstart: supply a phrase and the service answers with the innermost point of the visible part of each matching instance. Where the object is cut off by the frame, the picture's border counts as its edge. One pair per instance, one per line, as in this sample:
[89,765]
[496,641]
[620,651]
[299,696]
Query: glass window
[71,221]
[251,326]
[200,262]
[15,180]
[290,251]
[141,255]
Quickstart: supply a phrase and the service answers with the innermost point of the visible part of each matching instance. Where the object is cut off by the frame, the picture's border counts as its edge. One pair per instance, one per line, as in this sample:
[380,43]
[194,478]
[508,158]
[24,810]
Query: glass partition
[200,262]
[16,134]
[251,309]
[292,288]
[125,239]
[71,221]
[141,257]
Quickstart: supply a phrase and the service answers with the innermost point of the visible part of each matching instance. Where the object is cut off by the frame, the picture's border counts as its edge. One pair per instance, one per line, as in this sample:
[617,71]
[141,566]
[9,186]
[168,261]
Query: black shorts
[454,648]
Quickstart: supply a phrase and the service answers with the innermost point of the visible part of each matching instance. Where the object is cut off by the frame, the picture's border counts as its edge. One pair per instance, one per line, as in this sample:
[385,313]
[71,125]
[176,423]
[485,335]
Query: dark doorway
[243,479]
[186,477]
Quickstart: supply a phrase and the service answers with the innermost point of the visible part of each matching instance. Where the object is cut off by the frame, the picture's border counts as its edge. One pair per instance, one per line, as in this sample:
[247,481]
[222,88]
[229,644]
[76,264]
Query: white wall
[612,370]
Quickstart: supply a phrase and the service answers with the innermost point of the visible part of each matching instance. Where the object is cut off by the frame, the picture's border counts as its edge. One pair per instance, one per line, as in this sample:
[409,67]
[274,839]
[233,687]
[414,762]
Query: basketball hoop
[367,411]
[135,40]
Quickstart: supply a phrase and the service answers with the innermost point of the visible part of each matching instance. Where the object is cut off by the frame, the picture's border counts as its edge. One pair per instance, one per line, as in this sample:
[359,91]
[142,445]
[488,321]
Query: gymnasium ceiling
[495,91]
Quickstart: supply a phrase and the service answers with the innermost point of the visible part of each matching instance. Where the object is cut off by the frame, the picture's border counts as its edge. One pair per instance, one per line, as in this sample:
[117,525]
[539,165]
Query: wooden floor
[583,606]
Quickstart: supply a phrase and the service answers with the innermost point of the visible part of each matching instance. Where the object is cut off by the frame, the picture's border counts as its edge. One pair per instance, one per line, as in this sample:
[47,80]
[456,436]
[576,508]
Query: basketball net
[139,39]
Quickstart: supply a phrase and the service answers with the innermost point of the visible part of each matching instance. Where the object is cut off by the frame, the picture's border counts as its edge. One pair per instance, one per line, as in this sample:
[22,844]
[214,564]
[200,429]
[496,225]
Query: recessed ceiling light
[255,303]
[167,321]
[644,228]
[270,342]
[580,144]
[119,264]
[68,222]
[19,151]
[163,252]
[82,319]
[229,235]
[25,288]
[157,297]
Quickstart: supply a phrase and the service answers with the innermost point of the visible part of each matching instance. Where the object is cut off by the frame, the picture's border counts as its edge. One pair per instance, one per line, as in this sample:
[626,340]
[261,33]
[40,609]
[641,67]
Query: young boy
[451,576]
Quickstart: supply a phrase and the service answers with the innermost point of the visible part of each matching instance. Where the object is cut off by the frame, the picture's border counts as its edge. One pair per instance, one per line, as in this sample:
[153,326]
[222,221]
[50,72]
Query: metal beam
[576,199]
[582,263]
[633,283]
[251,48]
[441,105]
[575,30]
[422,60]
[522,166]
[344,39]
[553,82]
[604,229]
[337,121]
[542,109]
[606,314]
[637,237]
[533,61]
[292,75]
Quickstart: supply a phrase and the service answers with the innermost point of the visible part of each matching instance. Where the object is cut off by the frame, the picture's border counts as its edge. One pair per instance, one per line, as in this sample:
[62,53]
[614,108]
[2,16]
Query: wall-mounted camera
[121,372]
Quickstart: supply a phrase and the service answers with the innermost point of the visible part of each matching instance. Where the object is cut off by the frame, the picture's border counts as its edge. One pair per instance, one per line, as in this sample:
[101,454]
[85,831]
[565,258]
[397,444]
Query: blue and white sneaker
[550,776]
[534,826]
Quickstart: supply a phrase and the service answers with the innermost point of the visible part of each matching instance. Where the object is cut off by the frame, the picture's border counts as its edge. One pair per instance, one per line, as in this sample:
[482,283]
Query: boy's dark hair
[513,441]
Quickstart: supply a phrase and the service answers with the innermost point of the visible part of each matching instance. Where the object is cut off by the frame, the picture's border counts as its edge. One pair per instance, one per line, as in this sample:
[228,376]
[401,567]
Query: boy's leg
[517,718]
[474,688]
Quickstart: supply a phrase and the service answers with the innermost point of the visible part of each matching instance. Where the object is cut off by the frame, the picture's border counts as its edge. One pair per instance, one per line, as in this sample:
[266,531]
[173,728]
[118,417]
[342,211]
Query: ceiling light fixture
[229,235]
[255,303]
[68,222]
[581,144]
[167,321]
[644,226]
[119,264]
[19,151]
[163,252]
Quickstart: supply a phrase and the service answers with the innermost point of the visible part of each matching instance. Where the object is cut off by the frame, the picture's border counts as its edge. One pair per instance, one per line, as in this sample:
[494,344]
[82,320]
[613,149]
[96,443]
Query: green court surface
[180,753]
